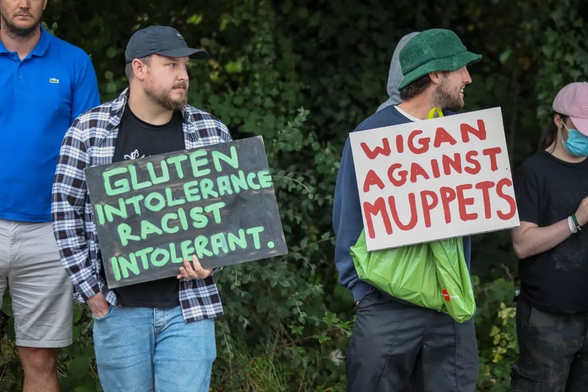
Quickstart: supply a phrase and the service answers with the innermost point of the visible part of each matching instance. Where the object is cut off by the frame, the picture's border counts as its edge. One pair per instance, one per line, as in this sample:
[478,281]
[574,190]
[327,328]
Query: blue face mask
[577,143]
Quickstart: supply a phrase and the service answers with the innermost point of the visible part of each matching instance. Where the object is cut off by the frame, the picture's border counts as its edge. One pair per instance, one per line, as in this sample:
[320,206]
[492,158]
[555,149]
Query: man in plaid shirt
[153,335]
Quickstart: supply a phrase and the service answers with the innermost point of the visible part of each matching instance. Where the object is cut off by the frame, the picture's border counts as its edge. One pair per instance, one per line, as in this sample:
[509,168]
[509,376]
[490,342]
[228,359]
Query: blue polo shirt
[40,97]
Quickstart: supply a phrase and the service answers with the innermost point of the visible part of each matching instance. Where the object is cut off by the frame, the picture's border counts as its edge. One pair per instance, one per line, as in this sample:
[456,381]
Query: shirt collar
[39,49]
[410,117]
[3,48]
[42,45]
[119,104]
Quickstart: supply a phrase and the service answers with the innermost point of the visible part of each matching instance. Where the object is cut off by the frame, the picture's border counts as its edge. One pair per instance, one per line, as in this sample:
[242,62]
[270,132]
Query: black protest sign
[216,202]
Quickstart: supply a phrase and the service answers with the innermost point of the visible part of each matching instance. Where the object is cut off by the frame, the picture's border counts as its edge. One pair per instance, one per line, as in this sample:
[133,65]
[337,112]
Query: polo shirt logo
[54,81]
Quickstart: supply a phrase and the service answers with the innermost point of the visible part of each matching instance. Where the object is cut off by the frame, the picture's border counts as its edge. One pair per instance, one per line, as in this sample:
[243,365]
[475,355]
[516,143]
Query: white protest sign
[434,179]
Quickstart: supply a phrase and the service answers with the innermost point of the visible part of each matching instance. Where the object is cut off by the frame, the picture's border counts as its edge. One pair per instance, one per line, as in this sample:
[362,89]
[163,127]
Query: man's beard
[443,98]
[164,100]
[16,32]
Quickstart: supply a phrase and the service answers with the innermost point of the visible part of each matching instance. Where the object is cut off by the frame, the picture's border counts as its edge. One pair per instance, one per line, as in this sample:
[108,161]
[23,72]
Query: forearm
[347,220]
[67,210]
[68,228]
[537,240]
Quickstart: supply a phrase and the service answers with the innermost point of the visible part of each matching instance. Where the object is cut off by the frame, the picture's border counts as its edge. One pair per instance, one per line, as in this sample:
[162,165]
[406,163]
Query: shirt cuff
[88,288]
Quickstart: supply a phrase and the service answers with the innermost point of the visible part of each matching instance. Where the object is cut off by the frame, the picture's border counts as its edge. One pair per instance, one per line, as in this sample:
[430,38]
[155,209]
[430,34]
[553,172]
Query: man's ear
[436,77]
[139,69]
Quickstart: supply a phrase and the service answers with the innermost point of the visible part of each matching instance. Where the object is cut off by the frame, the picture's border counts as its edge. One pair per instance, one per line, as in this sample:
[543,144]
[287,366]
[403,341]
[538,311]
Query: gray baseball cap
[162,40]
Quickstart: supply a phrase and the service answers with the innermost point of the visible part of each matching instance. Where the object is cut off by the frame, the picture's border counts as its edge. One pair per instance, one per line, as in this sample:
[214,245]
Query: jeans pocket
[108,313]
[363,302]
[530,376]
[534,371]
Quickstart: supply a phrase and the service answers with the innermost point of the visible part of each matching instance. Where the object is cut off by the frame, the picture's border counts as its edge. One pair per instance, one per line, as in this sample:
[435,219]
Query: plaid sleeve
[224,133]
[67,212]
[225,136]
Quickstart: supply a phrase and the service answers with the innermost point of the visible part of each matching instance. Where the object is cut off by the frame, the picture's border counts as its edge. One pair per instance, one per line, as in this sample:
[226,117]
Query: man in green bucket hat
[434,64]
[394,340]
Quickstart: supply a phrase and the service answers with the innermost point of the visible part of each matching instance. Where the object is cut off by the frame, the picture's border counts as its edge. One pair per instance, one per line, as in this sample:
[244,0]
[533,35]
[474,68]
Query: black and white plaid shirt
[90,141]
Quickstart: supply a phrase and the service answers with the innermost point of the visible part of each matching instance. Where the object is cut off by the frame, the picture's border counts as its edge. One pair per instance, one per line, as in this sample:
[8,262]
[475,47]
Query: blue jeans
[153,350]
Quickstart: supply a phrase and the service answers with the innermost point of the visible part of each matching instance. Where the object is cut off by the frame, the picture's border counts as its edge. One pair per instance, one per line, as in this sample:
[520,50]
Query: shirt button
[21,77]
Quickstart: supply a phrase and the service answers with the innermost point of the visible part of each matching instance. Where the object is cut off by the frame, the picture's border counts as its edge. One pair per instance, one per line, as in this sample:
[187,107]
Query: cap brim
[452,63]
[581,125]
[197,54]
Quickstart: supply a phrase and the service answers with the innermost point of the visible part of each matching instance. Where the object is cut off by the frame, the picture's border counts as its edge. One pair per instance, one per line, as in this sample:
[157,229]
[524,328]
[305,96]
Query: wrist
[571,225]
[96,298]
[574,224]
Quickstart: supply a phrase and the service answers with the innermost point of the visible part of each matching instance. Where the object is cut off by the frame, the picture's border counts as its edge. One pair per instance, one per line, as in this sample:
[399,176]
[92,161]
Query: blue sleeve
[348,224]
[85,94]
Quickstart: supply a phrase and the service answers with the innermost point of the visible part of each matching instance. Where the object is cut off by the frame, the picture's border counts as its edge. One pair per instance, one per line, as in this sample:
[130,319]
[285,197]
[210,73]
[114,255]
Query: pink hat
[572,101]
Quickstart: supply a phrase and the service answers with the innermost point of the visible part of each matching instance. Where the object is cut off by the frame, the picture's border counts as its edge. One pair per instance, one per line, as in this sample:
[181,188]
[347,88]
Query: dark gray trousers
[553,351]
[399,347]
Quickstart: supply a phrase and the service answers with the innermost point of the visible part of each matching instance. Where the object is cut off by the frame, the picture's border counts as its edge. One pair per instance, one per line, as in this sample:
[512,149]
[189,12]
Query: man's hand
[98,305]
[196,272]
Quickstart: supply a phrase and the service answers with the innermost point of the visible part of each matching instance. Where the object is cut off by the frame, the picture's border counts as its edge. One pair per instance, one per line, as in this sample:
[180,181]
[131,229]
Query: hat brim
[581,125]
[197,54]
[451,63]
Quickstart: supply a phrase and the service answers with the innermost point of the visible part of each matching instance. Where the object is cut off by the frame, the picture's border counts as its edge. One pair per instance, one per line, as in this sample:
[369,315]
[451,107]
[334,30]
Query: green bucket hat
[433,50]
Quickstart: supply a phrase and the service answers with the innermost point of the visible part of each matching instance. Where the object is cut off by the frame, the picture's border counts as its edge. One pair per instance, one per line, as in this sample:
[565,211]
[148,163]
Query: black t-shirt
[138,139]
[549,190]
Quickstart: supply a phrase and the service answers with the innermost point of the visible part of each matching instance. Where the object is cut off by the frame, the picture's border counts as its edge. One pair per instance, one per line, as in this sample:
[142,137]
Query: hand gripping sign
[434,179]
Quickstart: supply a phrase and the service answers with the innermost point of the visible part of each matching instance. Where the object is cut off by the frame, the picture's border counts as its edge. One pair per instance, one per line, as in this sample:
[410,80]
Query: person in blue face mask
[577,142]
[552,244]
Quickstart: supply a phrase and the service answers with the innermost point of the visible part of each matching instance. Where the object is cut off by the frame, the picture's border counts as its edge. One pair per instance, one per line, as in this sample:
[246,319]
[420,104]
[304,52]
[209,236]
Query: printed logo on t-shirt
[134,155]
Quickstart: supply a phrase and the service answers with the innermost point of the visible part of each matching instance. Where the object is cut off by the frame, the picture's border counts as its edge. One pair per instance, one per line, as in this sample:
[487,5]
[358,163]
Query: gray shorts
[40,289]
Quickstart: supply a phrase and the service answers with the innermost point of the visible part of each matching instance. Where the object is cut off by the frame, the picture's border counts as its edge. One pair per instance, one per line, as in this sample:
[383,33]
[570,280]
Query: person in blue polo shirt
[45,84]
